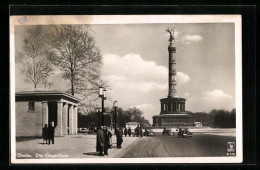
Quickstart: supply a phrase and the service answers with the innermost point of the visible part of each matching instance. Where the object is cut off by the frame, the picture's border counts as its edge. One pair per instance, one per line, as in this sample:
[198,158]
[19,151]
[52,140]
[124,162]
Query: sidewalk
[70,146]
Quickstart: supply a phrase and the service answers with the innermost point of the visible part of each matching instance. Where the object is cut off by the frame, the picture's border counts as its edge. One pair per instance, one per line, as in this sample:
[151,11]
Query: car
[184,132]
[168,132]
[149,133]
[83,130]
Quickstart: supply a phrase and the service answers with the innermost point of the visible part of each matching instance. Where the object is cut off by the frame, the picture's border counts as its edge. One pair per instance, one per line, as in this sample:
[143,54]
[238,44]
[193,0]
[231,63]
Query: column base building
[34,109]
[173,114]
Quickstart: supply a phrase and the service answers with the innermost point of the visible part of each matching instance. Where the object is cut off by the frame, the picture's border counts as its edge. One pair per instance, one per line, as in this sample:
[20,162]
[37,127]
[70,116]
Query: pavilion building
[34,109]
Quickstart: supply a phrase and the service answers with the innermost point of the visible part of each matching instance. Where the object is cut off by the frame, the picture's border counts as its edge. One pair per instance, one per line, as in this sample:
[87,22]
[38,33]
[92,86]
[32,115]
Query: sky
[135,65]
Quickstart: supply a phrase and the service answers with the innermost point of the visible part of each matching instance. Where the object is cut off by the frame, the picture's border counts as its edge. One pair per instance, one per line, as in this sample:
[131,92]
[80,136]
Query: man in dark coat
[106,140]
[129,131]
[137,131]
[141,132]
[125,132]
[51,133]
[110,138]
[100,140]
[45,134]
[119,137]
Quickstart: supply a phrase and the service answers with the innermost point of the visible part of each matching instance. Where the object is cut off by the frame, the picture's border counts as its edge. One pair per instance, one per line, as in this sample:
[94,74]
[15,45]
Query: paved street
[200,145]
[71,146]
[212,143]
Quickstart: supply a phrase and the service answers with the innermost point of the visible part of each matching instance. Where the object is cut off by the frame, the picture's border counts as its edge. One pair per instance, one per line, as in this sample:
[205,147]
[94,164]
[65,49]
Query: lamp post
[102,95]
[115,106]
[98,110]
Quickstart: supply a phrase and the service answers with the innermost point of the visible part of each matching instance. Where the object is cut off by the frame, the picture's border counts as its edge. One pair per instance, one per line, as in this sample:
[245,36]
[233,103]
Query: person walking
[141,132]
[125,132]
[101,141]
[119,137]
[110,138]
[106,140]
[51,131]
[137,131]
[45,134]
[129,132]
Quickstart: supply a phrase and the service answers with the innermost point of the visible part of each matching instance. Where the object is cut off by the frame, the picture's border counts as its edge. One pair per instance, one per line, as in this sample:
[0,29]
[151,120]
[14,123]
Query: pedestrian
[110,138]
[119,137]
[51,131]
[106,141]
[129,132]
[137,131]
[125,132]
[45,134]
[141,132]
[101,141]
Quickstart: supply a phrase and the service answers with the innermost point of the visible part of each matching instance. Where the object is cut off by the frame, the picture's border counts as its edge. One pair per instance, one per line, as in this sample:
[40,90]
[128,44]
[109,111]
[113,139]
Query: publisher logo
[231,147]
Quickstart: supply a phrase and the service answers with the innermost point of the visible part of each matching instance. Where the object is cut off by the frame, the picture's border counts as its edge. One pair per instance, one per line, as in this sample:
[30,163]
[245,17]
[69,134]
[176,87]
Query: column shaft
[58,130]
[75,114]
[71,120]
[65,118]
[45,113]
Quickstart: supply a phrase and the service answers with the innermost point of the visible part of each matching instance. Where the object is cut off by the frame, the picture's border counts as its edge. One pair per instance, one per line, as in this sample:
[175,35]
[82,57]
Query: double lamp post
[102,95]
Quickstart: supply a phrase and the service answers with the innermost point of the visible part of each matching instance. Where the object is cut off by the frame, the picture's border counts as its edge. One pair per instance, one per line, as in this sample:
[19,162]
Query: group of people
[104,140]
[48,134]
[127,132]
[138,132]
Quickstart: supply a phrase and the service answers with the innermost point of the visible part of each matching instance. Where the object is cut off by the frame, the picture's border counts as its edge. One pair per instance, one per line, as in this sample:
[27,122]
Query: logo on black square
[231,147]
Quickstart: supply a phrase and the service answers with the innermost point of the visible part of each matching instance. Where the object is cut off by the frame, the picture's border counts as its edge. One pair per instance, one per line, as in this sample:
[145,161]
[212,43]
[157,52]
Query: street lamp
[115,106]
[98,110]
[102,95]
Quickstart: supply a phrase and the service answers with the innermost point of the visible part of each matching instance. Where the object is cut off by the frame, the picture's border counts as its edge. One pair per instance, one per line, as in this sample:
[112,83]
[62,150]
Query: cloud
[182,78]
[216,95]
[187,39]
[133,73]
[149,110]
[186,94]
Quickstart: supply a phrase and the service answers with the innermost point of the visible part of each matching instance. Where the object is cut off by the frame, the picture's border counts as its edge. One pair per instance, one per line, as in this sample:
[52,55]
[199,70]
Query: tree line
[122,117]
[216,118]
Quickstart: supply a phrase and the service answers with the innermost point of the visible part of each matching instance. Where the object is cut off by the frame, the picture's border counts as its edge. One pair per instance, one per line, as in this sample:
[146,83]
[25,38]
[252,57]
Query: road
[200,145]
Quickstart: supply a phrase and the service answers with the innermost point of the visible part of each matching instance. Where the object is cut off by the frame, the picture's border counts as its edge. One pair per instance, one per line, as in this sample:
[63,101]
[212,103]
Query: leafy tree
[32,59]
[73,50]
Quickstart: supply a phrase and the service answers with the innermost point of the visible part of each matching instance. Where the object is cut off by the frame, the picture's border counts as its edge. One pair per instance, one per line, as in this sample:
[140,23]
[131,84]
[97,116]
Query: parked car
[184,132]
[83,130]
[149,133]
[168,132]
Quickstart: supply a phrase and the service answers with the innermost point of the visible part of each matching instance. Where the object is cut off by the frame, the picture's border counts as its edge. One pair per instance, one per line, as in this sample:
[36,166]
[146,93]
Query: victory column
[173,107]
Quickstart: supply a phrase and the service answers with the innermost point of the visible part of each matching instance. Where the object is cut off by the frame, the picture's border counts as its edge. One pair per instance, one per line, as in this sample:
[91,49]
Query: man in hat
[51,131]
[45,134]
[100,140]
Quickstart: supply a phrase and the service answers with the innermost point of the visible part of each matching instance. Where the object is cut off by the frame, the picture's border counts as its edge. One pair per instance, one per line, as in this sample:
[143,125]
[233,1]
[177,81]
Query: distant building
[34,109]
[198,124]
[132,125]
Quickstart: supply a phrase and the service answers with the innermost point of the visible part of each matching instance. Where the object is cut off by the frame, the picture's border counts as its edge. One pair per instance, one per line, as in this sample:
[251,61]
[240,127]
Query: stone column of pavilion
[172,64]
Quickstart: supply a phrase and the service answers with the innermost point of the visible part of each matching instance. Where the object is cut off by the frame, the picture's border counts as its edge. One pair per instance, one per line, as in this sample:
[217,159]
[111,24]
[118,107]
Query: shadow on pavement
[22,139]
[43,143]
[91,153]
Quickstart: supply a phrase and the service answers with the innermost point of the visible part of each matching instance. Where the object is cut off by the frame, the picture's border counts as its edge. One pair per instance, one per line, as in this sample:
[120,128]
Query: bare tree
[33,62]
[73,50]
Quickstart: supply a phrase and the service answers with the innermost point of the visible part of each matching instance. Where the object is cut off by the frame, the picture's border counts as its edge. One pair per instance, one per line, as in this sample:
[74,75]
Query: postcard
[126,89]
